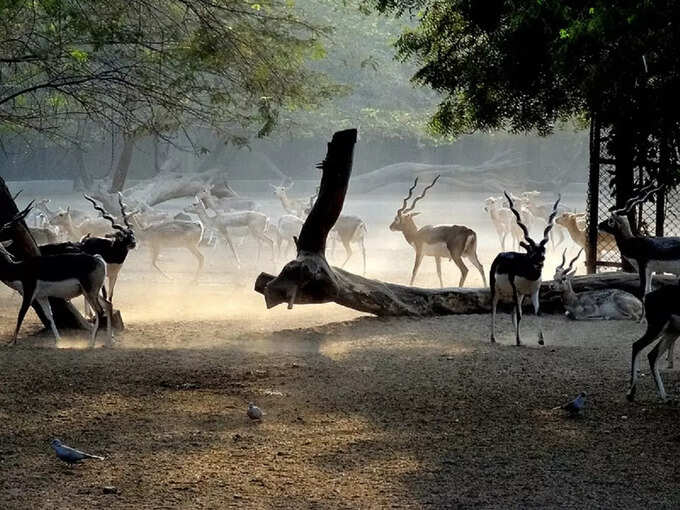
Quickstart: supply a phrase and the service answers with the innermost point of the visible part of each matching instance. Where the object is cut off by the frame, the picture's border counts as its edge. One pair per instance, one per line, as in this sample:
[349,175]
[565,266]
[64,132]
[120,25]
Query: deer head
[535,251]
[617,223]
[563,274]
[122,233]
[404,217]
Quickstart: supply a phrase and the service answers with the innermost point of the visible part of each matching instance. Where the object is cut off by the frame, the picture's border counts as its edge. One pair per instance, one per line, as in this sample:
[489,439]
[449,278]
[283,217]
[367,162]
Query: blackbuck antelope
[171,234]
[519,274]
[662,309]
[294,206]
[606,304]
[225,204]
[647,254]
[59,276]
[450,241]
[113,247]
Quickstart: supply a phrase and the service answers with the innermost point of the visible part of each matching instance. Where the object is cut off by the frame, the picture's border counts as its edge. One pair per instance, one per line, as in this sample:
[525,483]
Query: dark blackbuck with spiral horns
[519,274]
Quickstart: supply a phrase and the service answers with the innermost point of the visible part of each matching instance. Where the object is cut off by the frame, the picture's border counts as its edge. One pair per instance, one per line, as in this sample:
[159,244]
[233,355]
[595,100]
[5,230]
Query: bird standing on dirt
[575,407]
[71,455]
[254,412]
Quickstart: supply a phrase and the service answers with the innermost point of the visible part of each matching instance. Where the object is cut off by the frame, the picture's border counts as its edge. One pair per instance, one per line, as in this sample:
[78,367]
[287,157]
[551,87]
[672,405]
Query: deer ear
[416,213]
[524,245]
[572,272]
[273,187]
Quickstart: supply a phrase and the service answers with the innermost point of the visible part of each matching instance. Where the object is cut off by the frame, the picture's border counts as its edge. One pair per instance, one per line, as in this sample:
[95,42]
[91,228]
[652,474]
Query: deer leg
[670,356]
[348,250]
[654,356]
[535,301]
[154,258]
[463,268]
[44,303]
[517,317]
[494,304]
[113,270]
[199,256]
[438,263]
[416,265]
[472,257]
[227,238]
[654,329]
[28,293]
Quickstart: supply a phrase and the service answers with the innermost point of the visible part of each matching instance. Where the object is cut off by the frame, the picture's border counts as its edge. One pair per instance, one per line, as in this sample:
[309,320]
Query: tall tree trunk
[625,173]
[119,176]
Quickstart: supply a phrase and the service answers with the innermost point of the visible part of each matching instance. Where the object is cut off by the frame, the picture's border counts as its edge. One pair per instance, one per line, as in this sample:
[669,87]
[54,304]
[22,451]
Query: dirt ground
[361,412]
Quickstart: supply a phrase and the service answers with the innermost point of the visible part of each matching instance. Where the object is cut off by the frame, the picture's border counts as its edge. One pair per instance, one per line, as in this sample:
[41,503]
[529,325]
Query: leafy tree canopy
[143,65]
[504,64]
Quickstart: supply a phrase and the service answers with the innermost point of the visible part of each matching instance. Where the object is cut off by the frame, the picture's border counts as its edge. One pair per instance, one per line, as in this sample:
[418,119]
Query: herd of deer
[98,247]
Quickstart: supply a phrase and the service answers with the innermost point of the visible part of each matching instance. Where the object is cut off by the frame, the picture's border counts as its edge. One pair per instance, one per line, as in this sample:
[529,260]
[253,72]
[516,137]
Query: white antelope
[171,234]
[647,254]
[662,309]
[255,222]
[451,241]
[519,274]
[287,229]
[503,221]
[294,206]
[75,231]
[606,304]
[227,204]
[58,276]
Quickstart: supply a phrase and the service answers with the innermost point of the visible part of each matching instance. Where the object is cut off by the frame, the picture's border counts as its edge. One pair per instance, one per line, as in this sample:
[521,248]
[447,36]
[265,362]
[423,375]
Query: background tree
[525,66]
[140,67]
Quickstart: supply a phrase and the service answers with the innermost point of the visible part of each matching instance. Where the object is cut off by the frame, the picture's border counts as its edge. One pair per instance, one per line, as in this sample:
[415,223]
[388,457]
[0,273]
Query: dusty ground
[360,412]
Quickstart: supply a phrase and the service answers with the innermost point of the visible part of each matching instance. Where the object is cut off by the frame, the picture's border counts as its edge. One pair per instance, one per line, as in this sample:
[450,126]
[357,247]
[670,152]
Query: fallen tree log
[309,279]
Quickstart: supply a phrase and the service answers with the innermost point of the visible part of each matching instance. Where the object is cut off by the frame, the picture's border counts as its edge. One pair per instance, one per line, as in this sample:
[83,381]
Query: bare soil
[361,412]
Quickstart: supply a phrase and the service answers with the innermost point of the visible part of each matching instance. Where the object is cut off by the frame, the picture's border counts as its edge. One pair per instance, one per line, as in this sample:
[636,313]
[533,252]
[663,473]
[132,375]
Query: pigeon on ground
[575,407]
[254,412]
[71,455]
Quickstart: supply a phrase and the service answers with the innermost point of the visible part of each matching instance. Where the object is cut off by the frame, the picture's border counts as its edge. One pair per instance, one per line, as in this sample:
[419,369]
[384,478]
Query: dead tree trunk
[23,246]
[309,279]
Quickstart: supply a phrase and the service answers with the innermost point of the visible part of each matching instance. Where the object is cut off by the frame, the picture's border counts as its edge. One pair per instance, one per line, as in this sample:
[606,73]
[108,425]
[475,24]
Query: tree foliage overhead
[358,54]
[147,65]
[526,65]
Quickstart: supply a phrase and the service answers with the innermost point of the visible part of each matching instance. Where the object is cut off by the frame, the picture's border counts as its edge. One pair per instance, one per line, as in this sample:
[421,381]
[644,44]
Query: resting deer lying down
[606,304]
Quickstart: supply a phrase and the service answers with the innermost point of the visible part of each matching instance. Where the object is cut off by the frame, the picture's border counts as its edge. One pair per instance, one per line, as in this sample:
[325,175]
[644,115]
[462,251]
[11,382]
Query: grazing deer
[171,234]
[113,248]
[647,254]
[451,241]
[519,274]
[296,207]
[225,204]
[607,304]
[59,276]
[73,230]
[503,221]
[255,222]
[287,229]
[348,229]
[662,309]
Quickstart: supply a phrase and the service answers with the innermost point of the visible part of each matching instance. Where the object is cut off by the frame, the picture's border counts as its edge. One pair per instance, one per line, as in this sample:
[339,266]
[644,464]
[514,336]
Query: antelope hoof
[493,339]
